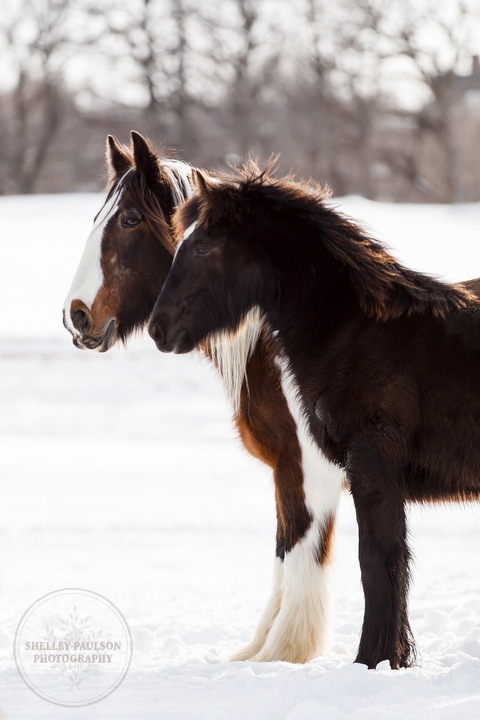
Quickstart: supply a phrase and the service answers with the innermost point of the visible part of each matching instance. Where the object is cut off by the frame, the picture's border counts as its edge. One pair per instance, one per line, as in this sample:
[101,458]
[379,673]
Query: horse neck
[293,292]
[315,295]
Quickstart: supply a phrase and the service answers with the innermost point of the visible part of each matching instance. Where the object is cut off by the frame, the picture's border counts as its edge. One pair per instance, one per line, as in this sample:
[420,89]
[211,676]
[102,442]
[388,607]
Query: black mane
[384,287]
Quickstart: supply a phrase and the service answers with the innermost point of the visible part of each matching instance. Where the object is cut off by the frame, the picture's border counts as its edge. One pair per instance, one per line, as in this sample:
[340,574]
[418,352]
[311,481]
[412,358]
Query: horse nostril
[81,321]
[155,333]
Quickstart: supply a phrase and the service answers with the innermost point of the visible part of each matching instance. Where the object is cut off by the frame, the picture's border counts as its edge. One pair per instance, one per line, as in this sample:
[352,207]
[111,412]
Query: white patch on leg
[323,481]
[89,277]
[300,630]
[267,619]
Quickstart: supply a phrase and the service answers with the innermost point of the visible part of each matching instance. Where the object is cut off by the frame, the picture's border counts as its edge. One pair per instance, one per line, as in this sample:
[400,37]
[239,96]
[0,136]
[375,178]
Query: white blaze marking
[187,234]
[184,237]
[300,630]
[89,277]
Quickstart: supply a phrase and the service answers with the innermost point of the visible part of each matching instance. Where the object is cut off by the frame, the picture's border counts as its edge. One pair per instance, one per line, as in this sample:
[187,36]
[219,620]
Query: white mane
[231,352]
[180,176]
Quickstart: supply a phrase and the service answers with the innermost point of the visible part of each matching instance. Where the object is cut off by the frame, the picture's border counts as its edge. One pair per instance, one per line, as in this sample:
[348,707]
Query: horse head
[129,250]
[214,282]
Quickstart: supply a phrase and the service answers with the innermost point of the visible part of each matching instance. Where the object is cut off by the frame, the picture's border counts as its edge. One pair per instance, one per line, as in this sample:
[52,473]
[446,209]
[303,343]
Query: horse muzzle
[84,339]
[168,339]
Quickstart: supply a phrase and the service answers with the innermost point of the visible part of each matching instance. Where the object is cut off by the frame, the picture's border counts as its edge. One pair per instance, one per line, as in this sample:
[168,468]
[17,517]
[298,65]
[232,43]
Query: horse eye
[130,220]
[201,250]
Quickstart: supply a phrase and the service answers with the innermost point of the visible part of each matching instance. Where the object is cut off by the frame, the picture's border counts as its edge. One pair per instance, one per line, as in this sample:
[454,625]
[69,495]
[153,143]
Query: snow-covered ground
[121,473]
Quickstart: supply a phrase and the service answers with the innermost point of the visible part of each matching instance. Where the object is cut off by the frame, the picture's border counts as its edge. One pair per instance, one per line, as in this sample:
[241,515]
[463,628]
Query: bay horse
[385,361]
[122,270]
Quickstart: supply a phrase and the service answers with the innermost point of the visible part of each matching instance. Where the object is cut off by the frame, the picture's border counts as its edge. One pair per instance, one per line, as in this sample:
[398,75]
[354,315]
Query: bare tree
[32,37]
[317,87]
[331,119]
[153,38]
[435,41]
[328,85]
[247,50]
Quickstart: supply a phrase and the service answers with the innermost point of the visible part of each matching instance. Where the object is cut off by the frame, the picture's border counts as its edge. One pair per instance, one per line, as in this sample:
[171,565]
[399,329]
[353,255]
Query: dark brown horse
[123,268]
[384,360]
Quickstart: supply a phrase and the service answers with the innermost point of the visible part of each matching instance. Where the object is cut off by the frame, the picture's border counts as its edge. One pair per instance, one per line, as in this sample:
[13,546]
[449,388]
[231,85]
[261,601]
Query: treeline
[380,99]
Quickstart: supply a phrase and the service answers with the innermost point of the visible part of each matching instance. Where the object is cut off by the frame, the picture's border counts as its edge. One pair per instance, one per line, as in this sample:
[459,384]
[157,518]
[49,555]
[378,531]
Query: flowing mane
[385,289]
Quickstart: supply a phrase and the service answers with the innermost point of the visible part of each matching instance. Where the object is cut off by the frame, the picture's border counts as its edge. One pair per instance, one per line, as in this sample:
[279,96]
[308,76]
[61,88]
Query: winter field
[121,473]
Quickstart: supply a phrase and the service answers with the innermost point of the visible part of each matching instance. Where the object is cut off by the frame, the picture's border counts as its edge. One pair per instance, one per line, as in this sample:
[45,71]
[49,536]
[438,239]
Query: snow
[121,473]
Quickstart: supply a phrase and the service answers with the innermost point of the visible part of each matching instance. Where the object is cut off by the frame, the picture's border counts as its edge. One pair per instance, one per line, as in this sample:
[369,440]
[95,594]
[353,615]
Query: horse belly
[446,448]
[445,468]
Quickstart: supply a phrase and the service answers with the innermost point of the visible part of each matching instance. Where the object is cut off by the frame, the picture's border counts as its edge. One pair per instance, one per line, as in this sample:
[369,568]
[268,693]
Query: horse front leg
[307,498]
[384,558]
[272,426]
[274,603]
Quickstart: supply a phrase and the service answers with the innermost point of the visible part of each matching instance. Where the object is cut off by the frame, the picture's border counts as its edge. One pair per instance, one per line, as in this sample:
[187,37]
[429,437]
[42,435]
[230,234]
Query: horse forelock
[155,209]
[171,174]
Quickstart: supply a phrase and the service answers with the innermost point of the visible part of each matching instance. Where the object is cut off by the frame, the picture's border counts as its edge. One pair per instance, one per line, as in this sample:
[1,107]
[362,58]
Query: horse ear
[201,182]
[144,157]
[118,160]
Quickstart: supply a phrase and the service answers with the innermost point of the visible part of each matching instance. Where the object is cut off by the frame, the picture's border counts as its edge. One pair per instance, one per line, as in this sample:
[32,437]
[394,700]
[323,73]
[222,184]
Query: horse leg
[273,605]
[308,489]
[384,558]
[299,631]
[294,624]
